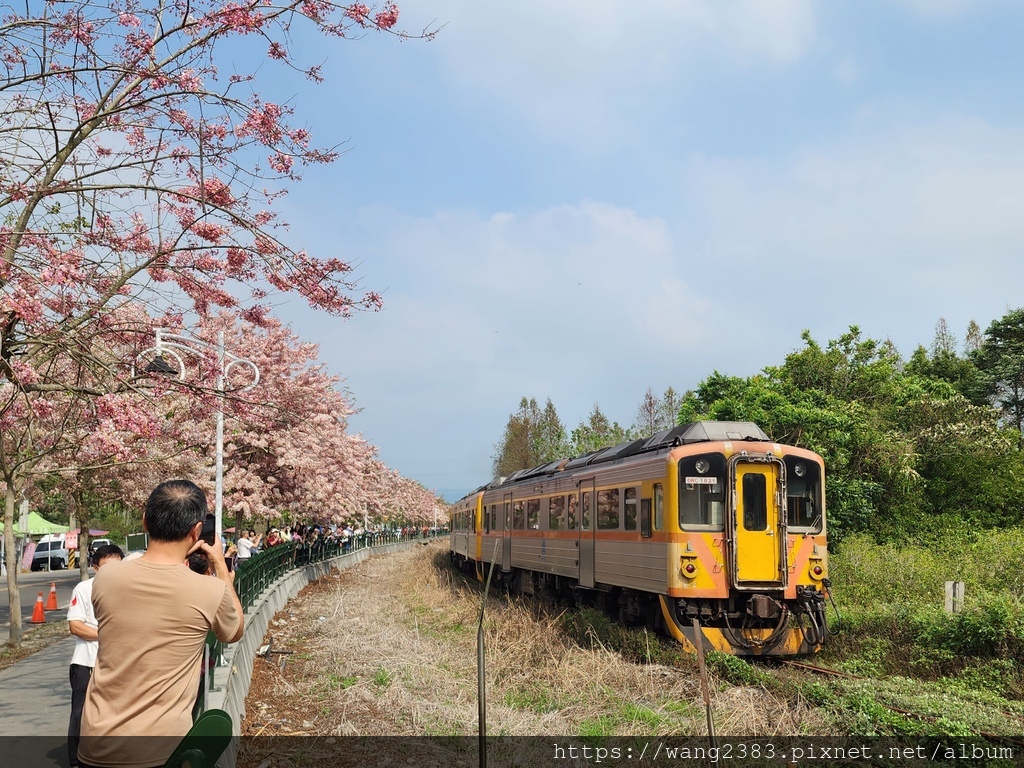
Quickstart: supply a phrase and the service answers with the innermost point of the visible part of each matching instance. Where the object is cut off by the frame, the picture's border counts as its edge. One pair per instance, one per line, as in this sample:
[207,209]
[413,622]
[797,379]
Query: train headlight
[800,470]
[816,568]
[702,466]
[689,567]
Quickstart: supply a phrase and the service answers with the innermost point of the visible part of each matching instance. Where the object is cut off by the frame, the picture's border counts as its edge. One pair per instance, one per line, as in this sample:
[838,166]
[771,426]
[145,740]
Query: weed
[534,698]
[342,681]
[735,670]
[598,727]
[647,719]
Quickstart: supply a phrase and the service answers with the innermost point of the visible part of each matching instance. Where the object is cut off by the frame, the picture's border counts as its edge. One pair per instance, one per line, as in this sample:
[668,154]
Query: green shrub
[735,670]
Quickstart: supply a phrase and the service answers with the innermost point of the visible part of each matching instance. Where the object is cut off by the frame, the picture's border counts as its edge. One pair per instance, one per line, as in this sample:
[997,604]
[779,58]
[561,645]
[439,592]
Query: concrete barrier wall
[234,675]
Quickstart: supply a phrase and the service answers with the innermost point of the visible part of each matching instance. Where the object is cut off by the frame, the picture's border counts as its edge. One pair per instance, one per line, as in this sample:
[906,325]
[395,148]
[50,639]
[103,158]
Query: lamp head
[160,365]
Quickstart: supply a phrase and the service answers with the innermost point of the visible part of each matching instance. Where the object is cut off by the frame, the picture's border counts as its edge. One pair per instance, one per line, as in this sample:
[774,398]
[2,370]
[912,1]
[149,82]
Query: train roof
[684,434]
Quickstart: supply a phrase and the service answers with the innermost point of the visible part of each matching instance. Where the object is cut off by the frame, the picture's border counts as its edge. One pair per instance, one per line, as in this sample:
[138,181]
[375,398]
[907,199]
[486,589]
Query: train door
[759,524]
[506,532]
[586,533]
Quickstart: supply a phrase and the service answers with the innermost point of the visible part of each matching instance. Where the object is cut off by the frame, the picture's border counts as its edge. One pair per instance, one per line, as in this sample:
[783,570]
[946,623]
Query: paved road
[29,587]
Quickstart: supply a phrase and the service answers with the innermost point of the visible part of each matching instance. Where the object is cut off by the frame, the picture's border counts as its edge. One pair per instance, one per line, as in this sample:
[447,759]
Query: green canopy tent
[37,526]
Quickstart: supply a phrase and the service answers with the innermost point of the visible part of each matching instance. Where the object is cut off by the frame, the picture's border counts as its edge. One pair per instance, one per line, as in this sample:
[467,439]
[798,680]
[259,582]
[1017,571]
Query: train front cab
[746,551]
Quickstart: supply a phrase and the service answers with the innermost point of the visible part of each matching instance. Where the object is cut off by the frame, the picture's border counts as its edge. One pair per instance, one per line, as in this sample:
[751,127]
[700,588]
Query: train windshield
[702,491]
[803,494]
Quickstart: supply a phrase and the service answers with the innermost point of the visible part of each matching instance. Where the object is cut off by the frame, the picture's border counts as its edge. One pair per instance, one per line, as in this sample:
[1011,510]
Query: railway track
[905,712]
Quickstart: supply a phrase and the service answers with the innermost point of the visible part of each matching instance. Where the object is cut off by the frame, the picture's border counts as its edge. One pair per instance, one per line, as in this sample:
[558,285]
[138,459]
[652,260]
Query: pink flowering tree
[132,169]
[287,447]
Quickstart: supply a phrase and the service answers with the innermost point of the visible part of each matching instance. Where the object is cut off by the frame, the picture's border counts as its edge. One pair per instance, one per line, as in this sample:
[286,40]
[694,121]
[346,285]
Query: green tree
[549,439]
[973,339]
[1000,359]
[597,432]
[945,364]
[532,437]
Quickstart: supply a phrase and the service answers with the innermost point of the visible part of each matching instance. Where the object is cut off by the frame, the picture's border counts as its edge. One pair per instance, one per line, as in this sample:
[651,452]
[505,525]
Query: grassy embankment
[963,672]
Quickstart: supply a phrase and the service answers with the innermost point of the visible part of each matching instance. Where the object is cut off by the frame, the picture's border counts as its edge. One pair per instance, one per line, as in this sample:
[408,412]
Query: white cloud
[931,186]
[890,230]
[575,66]
[576,303]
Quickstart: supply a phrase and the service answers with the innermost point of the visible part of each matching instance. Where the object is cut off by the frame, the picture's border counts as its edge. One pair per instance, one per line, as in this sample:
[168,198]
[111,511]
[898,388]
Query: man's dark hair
[173,509]
[107,550]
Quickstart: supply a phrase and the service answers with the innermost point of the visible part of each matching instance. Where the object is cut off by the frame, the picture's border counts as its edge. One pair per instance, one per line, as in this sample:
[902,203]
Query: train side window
[494,517]
[755,503]
[629,508]
[585,522]
[570,513]
[556,513]
[608,509]
[508,516]
[645,518]
[533,514]
[518,515]
[659,508]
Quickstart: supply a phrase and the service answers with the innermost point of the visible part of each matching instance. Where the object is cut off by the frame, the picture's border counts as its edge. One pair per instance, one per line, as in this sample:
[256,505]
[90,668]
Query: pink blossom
[189,81]
[24,372]
[277,51]
[128,20]
[263,122]
[388,17]
[213,233]
[241,19]
[280,162]
[316,10]
[357,12]
[300,137]
[213,190]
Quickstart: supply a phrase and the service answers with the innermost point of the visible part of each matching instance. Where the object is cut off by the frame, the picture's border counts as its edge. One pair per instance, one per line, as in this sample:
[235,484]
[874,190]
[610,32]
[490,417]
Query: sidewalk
[35,704]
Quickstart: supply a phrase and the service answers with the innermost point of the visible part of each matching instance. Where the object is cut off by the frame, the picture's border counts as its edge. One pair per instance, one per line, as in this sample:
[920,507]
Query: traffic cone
[51,601]
[38,616]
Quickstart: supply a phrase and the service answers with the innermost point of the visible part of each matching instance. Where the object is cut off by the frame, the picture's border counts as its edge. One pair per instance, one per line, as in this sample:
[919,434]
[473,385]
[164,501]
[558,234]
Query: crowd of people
[311,538]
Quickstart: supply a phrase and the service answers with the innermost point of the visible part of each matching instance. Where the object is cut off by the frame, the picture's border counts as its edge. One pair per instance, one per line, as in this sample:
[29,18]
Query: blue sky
[580,200]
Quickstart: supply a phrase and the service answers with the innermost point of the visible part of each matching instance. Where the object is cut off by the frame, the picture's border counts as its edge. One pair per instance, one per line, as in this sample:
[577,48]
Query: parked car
[53,551]
[95,544]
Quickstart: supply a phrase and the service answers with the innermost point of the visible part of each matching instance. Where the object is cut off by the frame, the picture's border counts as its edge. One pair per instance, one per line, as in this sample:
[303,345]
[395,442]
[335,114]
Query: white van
[50,554]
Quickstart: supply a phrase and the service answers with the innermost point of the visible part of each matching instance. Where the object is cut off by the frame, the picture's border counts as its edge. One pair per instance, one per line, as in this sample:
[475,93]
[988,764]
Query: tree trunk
[13,598]
[83,537]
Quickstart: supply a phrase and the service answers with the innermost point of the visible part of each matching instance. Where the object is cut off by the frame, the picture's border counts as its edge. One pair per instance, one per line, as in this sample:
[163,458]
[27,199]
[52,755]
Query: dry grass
[389,648]
[36,637]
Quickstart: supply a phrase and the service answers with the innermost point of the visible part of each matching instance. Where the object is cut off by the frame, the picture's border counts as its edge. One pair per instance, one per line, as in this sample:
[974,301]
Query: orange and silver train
[708,531]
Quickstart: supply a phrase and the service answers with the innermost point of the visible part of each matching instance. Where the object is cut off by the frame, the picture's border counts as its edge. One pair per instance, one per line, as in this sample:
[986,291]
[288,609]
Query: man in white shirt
[82,624]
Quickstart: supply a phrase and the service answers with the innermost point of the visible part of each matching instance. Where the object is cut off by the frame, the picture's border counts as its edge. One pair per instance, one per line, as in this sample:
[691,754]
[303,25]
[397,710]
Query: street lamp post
[169,344]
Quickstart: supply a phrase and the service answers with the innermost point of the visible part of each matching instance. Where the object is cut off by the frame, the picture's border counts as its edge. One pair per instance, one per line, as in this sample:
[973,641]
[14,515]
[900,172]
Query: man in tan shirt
[153,615]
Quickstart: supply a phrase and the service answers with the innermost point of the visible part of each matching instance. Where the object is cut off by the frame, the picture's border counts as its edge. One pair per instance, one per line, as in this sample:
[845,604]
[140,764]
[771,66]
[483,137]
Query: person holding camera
[154,614]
